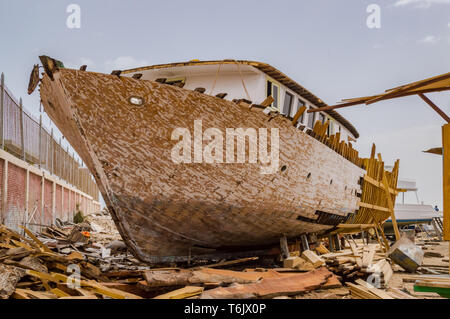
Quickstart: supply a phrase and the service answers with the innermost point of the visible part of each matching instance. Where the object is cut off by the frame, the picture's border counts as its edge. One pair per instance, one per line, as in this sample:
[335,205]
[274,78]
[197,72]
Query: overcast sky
[325,46]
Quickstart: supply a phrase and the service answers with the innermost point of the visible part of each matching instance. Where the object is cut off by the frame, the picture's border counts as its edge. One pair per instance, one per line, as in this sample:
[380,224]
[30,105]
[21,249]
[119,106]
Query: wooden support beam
[446,179]
[355,226]
[284,247]
[389,202]
[332,107]
[435,107]
[374,207]
[268,101]
[379,184]
[297,115]
[408,88]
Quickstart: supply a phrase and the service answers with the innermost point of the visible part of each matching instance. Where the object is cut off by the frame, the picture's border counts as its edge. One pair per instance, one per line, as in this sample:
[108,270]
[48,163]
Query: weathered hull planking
[163,209]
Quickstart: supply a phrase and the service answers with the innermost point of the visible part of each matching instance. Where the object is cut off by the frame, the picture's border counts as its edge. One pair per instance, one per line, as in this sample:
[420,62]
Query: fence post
[5,191]
[51,149]
[2,117]
[40,140]
[27,196]
[22,135]
[60,158]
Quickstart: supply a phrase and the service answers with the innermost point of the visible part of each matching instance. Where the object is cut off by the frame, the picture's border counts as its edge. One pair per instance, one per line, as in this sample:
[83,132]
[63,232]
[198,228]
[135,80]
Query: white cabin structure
[252,81]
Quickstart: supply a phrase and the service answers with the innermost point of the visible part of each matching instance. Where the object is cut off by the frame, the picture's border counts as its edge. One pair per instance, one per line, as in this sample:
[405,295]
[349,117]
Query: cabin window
[321,118]
[330,128]
[299,105]
[287,106]
[273,89]
[311,119]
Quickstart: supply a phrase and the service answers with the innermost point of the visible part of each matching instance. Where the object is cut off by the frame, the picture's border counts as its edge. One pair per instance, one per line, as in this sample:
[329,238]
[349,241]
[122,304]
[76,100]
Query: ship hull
[165,209]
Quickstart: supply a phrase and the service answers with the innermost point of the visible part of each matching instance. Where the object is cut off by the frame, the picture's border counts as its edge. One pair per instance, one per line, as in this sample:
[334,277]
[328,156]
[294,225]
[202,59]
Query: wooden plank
[268,101]
[297,115]
[312,258]
[389,202]
[377,292]
[374,207]
[227,263]
[36,240]
[379,184]
[186,292]
[59,292]
[368,254]
[272,287]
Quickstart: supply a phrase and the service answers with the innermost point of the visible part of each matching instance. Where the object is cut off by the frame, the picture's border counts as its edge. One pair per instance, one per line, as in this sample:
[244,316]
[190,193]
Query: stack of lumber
[364,290]
[360,262]
[307,262]
[439,284]
[442,281]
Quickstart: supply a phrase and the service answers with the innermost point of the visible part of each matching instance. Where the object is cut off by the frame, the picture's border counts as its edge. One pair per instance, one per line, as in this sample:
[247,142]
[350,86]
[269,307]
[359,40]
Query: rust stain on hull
[165,209]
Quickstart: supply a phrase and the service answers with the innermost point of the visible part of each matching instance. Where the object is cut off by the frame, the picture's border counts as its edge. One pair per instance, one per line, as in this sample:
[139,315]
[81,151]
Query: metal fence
[26,138]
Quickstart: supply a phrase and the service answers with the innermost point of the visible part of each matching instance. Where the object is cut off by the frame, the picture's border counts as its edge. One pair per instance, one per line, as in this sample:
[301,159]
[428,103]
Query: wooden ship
[122,125]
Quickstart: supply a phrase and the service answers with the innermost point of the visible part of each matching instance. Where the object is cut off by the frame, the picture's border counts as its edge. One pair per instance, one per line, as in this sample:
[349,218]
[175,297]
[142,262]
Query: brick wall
[66,204]
[48,200]
[16,211]
[58,202]
[15,200]
[34,201]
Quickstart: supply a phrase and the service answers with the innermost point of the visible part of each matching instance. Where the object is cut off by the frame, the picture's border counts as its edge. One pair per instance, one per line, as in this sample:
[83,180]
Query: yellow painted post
[446,181]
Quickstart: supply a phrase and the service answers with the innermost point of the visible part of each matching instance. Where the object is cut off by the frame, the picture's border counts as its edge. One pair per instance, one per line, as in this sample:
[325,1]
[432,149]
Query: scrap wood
[368,255]
[187,277]
[272,287]
[89,284]
[414,278]
[36,240]
[436,283]
[398,294]
[228,263]
[31,294]
[321,249]
[372,289]
[186,292]
[292,262]
[367,291]
[313,258]
[126,273]
[9,277]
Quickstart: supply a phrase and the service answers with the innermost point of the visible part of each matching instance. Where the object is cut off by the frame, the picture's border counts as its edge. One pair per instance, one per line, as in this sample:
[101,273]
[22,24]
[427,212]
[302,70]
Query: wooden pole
[22,134]
[40,140]
[52,150]
[446,181]
[389,202]
[435,107]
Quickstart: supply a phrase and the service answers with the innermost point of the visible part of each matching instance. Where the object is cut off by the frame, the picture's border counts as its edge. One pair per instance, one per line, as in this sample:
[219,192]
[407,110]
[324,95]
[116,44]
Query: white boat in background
[411,214]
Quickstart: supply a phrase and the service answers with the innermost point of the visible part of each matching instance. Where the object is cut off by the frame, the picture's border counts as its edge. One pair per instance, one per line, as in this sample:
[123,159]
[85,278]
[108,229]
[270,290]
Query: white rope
[215,79]
[242,80]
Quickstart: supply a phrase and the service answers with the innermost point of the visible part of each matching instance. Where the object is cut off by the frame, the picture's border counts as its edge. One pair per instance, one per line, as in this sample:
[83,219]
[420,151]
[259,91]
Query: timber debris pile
[65,262]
